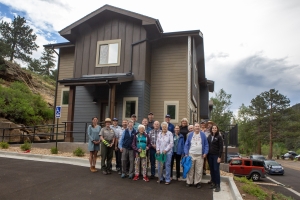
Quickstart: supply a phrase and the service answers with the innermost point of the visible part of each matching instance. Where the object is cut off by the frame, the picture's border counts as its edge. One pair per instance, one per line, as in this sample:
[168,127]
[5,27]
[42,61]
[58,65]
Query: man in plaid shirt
[153,136]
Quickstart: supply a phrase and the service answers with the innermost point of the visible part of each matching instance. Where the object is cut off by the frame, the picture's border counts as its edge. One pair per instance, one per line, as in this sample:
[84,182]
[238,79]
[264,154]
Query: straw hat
[210,122]
[108,120]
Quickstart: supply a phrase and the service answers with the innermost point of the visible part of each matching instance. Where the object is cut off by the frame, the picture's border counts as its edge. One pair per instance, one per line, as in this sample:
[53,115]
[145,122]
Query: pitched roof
[145,19]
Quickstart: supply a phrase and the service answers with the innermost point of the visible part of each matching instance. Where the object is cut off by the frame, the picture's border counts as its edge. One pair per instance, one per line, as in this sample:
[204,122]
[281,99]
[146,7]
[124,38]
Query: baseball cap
[115,119]
[168,116]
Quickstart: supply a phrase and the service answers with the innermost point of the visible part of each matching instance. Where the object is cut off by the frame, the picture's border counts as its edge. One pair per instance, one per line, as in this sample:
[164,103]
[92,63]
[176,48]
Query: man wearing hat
[118,132]
[135,124]
[170,125]
[107,136]
[150,120]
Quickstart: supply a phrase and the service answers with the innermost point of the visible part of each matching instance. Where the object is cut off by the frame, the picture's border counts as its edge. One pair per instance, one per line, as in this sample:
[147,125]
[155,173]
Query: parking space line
[290,189]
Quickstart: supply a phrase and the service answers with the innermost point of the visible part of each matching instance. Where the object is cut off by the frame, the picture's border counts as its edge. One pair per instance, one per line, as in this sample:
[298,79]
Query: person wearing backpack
[141,143]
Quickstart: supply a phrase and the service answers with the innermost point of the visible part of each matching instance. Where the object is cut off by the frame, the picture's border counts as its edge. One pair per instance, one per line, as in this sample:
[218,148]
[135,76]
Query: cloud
[219,55]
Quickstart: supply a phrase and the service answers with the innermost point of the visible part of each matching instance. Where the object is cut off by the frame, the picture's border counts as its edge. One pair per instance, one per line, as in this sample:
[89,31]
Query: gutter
[55,96]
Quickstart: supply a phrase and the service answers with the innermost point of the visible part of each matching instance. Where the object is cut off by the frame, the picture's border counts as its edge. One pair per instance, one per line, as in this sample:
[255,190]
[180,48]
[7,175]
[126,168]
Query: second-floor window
[108,53]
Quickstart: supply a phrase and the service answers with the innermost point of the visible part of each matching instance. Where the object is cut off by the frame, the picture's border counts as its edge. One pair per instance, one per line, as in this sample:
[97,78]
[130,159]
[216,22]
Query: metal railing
[46,132]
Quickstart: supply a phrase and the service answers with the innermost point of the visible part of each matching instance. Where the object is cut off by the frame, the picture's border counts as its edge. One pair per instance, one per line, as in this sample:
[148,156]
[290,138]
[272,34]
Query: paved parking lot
[23,179]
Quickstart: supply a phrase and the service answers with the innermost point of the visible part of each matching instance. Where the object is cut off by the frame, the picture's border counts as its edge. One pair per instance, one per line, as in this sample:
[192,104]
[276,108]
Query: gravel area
[44,152]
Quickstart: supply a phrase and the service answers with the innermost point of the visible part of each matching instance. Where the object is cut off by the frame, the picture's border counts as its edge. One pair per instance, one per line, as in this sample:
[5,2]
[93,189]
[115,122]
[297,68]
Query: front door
[105,111]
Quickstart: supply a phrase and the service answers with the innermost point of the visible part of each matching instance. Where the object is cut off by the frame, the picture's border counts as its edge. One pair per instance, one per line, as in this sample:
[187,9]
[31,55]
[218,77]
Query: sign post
[57,116]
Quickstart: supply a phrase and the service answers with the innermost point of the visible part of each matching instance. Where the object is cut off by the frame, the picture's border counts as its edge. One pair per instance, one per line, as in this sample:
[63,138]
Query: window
[236,162]
[65,97]
[172,108]
[108,53]
[257,163]
[130,106]
[247,162]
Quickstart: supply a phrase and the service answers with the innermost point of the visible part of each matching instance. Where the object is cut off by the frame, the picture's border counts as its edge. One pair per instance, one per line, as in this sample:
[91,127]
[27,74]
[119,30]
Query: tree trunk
[258,143]
[271,144]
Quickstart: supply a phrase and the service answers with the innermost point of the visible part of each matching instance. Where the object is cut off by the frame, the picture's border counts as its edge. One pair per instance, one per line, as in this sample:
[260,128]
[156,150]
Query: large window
[172,108]
[130,106]
[65,97]
[108,53]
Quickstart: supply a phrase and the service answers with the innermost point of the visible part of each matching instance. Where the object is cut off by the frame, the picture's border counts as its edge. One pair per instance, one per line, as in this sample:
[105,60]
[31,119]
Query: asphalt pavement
[24,179]
[290,180]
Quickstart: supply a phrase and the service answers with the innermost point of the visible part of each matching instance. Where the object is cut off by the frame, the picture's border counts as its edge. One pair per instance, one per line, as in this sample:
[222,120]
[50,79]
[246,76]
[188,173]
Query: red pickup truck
[250,168]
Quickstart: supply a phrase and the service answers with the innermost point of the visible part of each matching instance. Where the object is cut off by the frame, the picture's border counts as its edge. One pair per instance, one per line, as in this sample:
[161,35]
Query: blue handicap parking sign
[57,111]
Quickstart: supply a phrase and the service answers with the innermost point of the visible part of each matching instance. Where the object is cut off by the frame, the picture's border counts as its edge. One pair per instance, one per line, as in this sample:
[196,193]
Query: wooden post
[69,136]
[112,100]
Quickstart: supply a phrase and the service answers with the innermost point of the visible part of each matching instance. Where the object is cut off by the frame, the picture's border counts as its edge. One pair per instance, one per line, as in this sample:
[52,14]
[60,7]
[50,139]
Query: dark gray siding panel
[84,110]
[138,89]
[204,110]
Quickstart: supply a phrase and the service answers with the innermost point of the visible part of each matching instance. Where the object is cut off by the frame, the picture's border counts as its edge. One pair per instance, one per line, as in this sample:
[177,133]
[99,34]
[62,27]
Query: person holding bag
[93,144]
[141,143]
[164,145]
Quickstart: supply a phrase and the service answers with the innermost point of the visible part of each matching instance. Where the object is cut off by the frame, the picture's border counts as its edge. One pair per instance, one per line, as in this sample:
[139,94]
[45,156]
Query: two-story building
[118,63]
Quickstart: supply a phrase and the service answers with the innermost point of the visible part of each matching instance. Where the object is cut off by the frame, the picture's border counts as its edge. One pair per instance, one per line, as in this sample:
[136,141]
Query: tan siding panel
[168,75]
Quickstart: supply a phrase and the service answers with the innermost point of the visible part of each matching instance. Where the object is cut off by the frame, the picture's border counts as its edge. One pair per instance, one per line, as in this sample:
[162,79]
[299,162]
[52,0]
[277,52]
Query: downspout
[131,56]
[55,97]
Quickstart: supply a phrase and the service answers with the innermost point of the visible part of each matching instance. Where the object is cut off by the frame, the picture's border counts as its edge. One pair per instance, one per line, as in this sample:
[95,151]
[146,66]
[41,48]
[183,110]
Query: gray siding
[84,108]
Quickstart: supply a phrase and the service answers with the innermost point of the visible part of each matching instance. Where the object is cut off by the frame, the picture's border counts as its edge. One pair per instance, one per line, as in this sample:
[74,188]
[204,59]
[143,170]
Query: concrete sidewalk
[228,187]
[290,164]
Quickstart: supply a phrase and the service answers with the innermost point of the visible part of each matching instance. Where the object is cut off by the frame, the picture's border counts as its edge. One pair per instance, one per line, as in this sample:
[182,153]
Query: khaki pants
[195,174]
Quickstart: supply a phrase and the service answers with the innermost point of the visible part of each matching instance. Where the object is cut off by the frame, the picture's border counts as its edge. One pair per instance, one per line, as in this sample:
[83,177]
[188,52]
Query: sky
[251,46]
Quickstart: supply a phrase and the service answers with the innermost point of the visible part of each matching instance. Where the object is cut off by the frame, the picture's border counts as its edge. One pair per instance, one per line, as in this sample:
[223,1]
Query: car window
[257,163]
[236,162]
[247,162]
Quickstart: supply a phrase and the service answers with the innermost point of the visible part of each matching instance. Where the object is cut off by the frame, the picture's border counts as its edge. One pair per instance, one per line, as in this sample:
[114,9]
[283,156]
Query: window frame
[117,41]
[171,103]
[62,96]
[125,99]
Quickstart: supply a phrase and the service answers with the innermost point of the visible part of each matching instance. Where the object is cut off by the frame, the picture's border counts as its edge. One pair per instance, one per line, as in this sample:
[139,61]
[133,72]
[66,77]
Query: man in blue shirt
[170,125]
[125,146]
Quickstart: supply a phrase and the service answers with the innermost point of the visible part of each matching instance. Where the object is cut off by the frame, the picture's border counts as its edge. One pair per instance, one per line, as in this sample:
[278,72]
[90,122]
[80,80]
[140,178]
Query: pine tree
[48,61]
[221,113]
[19,38]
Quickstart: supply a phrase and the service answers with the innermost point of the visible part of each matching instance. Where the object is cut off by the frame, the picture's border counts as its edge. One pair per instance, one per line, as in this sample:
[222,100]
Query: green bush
[255,190]
[54,150]
[243,180]
[20,105]
[4,145]
[26,146]
[78,152]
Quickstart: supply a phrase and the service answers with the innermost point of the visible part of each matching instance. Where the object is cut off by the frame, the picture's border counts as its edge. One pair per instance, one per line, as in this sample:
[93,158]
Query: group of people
[135,144]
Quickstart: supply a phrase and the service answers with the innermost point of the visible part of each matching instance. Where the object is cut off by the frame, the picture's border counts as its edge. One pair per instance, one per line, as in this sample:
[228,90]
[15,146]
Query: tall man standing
[135,123]
[170,125]
[150,120]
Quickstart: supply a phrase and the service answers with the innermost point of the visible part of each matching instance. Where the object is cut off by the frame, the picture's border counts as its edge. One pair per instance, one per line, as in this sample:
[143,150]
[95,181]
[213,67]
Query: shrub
[78,152]
[54,150]
[255,190]
[26,146]
[19,104]
[4,145]
[243,180]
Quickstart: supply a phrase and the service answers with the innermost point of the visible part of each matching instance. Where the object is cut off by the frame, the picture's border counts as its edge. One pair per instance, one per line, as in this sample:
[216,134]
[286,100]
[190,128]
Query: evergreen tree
[48,61]
[19,39]
[257,110]
[275,104]
[35,65]
[221,113]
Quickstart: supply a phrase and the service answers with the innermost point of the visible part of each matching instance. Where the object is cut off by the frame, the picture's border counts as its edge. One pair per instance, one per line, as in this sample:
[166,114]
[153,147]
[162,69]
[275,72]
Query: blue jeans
[152,160]
[214,167]
[168,168]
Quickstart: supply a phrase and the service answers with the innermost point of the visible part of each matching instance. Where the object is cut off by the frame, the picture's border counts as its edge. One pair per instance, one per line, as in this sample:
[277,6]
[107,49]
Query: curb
[84,162]
[233,189]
